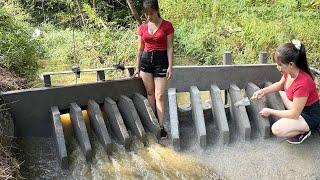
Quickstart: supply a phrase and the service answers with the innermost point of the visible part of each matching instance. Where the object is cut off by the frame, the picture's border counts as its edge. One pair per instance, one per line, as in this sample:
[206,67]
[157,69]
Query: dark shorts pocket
[145,65]
[160,68]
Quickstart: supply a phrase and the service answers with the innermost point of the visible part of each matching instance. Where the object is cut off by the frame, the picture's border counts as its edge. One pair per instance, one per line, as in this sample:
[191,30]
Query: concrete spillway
[118,111]
[123,122]
[234,123]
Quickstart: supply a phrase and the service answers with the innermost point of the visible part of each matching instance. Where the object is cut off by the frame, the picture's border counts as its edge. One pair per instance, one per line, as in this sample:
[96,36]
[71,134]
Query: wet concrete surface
[259,158]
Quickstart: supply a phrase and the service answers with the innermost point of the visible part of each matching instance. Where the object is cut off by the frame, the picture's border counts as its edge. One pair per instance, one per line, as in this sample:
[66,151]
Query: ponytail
[302,62]
[294,52]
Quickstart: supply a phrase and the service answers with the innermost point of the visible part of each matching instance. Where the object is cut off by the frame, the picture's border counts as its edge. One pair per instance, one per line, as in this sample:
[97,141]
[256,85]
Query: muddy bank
[9,166]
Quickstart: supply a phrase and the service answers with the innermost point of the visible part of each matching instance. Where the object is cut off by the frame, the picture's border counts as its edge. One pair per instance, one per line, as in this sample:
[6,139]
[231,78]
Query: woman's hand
[169,73]
[265,112]
[136,72]
[258,94]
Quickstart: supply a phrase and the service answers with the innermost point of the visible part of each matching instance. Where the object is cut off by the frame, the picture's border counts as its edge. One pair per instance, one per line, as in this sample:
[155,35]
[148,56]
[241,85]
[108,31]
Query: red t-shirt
[302,86]
[157,41]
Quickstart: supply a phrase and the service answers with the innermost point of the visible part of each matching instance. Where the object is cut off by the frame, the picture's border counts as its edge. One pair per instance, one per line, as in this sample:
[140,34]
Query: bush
[19,52]
[206,28]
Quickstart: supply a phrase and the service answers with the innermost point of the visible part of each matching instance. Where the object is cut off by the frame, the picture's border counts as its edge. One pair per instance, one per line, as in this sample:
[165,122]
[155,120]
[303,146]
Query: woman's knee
[150,92]
[278,130]
[160,96]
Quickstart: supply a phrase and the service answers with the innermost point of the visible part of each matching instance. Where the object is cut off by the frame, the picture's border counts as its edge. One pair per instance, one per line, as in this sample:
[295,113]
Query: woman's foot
[163,133]
[298,139]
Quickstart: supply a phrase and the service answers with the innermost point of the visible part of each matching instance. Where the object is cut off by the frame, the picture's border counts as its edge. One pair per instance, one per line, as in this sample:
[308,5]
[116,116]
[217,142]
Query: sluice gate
[119,110]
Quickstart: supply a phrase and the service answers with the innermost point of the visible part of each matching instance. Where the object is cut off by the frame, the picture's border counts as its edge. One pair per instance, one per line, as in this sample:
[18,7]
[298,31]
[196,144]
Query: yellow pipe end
[67,124]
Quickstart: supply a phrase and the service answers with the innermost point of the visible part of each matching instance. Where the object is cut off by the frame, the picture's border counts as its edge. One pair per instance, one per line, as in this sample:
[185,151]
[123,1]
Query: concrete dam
[213,130]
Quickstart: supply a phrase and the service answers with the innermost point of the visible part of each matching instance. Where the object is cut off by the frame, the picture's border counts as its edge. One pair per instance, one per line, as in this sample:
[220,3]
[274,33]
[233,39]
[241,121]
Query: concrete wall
[30,108]
[203,76]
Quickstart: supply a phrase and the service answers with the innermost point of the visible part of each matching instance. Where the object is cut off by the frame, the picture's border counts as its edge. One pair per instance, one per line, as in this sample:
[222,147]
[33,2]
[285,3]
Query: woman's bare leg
[148,82]
[160,90]
[286,127]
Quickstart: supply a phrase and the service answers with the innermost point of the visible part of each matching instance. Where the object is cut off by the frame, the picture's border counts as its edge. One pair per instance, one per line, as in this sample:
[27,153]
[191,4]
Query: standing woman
[154,57]
[298,92]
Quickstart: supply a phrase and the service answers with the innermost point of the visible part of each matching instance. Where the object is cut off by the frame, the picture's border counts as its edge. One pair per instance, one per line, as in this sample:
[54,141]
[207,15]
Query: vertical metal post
[263,57]
[227,60]
[47,80]
[100,76]
[130,71]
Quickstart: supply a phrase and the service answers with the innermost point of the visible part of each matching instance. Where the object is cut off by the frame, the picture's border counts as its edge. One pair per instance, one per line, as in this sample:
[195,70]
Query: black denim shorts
[154,62]
[312,115]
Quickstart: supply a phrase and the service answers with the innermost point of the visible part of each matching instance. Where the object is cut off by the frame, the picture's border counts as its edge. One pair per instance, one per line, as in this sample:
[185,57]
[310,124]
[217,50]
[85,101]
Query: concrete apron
[232,152]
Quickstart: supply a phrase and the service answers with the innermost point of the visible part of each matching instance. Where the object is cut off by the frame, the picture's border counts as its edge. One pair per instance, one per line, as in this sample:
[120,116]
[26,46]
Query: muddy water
[153,161]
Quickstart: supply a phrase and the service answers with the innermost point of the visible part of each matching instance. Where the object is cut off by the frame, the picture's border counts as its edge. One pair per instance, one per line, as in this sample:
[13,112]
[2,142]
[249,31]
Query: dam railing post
[100,76]
[227,60]
[47,80]
[263,57]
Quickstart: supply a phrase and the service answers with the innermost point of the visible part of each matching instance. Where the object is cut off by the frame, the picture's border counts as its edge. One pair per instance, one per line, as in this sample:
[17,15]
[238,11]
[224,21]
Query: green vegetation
[96,34]
[19,52]
[206,28]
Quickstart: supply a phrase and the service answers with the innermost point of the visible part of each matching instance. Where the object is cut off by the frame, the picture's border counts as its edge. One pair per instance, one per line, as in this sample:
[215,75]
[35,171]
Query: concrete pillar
[59,138]
[114,119]
[80,130]
[260,124]
[131,117]
[174,121]
[98,125]
[227,58]
[47,80]
[263,57]
[220,114]
[239,114]
[100,76]
[197,116]
[274,101]
[146,114]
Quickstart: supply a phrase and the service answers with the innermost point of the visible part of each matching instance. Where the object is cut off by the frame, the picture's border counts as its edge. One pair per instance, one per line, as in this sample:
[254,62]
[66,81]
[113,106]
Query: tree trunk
[133,11]
[79,9]
[94,5]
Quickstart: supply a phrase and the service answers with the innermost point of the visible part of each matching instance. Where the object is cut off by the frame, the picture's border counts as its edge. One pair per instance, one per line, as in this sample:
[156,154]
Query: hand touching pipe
[258,94]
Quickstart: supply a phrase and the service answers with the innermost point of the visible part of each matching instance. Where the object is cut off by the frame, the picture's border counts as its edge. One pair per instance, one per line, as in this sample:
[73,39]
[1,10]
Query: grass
[204,30]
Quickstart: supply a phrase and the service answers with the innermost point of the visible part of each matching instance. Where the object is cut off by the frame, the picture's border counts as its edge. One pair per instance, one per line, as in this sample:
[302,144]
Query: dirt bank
[9,166]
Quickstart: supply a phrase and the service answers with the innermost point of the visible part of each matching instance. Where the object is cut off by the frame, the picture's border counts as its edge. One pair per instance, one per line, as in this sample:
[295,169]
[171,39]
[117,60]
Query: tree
[133,11]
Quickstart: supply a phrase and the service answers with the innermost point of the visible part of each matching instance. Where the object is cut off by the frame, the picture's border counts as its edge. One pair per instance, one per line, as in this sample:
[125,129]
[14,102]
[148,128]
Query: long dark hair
[151,4]
[290,53]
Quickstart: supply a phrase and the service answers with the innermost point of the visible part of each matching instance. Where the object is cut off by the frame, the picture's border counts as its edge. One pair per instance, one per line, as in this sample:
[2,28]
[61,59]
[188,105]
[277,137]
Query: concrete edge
[131,117]
[59,138]
[146,114]
[173,117]
[98,126]
[80,130]
[261,124]
[239,114]
[220,114]
[197,116]
[115,120]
